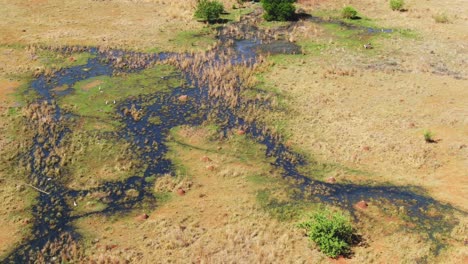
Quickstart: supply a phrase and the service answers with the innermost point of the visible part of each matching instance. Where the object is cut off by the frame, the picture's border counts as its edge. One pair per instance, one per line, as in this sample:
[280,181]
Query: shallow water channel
[52,212]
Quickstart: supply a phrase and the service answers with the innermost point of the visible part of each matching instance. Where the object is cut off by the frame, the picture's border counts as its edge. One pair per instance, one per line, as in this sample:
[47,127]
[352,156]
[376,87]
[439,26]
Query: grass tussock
[224,79]
[441,18]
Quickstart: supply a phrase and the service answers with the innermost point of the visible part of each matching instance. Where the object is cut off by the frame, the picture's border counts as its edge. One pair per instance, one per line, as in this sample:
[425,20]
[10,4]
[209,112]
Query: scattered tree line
[275,10]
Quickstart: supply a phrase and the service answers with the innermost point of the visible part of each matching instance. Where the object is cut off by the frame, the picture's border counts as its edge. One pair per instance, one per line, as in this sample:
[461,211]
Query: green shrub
[209,10]
[349,12]
[397,5]
[332,232]
[279,10]
[429,136]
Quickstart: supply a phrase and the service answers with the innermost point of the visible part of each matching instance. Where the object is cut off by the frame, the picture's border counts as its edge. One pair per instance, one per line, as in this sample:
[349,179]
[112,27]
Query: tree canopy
[209,10]
[279,10]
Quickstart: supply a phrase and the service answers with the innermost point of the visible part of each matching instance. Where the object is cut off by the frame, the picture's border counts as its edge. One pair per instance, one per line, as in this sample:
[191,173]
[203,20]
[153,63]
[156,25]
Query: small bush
[332,232]
[349,12]
[441,18]
[279,10]
[209,10]
[429,136]
[397,5]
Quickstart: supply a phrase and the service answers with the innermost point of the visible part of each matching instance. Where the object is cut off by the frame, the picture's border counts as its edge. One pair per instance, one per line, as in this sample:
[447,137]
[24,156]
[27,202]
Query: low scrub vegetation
[209,11]
[278,10]
[397,5]
[332,232]
[429,136]
[349,12]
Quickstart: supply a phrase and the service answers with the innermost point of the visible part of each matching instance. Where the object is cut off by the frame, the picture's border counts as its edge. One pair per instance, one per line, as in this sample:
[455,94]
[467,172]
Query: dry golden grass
[448,38]
[369,110]
[363,111]
[13,60]
[375,121]
[217,220]
[14,194]
[388,240]
[128,24]
[14,217]
[7,88]
[95,160]
[131,25]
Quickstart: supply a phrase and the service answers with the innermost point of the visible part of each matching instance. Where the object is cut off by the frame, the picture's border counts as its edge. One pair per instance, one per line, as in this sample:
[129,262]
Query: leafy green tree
[349,12]
[209,10]
[280,10]
[332,232]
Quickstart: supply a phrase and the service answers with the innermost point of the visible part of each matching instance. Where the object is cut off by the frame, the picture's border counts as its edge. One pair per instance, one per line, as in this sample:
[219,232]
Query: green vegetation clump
[209,10]
[397,5]
[348,12]
[332,232]
[279,10]
[429,136]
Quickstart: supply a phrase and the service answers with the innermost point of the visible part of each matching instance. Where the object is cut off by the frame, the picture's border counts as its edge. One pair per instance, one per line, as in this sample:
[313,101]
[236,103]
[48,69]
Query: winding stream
[52,212]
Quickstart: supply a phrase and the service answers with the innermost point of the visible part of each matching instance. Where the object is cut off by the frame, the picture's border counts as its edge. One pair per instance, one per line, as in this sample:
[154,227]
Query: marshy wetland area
[133,132]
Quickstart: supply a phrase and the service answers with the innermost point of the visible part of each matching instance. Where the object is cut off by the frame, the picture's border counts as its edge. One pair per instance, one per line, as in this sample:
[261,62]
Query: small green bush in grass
[349,12]
[332,232]
[209,10]
[429,136]
[397,5]
[278,10]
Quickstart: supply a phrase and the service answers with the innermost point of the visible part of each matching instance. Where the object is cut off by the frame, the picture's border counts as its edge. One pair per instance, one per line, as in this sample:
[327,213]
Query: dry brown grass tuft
[136,114]
[169,183]
[215,70]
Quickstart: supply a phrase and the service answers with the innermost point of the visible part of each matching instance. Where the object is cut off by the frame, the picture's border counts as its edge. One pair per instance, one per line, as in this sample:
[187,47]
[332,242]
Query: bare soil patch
[91,85]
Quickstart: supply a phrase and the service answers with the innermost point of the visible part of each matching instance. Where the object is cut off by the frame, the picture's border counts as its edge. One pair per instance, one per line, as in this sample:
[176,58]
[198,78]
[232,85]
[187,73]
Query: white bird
[114,101]
[74,203]
[107,102]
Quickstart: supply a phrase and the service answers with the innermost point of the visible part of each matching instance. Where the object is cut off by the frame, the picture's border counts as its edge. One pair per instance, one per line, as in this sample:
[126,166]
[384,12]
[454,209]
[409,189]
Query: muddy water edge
[210,99]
